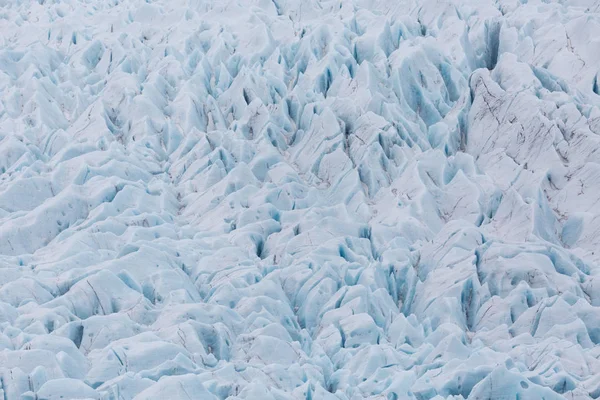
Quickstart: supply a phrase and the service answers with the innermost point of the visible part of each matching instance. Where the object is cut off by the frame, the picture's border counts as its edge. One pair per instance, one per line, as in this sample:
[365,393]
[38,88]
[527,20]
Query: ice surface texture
[299,199]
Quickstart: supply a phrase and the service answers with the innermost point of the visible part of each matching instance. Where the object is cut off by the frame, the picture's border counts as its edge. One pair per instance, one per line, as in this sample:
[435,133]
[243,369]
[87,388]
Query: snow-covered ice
[299,199]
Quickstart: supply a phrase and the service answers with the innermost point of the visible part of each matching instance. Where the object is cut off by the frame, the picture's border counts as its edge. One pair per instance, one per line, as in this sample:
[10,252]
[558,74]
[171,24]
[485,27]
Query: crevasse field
[299,199]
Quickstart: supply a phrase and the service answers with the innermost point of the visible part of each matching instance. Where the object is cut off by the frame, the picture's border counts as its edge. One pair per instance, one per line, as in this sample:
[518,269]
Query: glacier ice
[299,199]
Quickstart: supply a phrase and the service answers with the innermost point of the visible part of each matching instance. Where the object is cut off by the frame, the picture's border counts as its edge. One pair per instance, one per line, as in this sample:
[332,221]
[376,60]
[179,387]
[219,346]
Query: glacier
[299,199]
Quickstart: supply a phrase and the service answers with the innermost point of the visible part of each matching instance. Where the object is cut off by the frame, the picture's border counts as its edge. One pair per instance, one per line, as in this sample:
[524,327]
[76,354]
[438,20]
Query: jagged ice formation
[299,199]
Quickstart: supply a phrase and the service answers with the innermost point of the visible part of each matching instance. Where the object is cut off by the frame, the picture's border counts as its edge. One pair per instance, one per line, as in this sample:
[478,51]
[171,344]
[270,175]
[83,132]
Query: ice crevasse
[299,199]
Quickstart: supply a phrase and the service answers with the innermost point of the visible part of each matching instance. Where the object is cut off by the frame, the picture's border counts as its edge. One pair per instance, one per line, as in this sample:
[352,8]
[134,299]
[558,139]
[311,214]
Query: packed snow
[299,199]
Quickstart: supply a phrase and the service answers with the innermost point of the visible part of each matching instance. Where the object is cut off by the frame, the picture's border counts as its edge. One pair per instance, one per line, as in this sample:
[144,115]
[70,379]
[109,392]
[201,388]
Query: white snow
[299,199]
